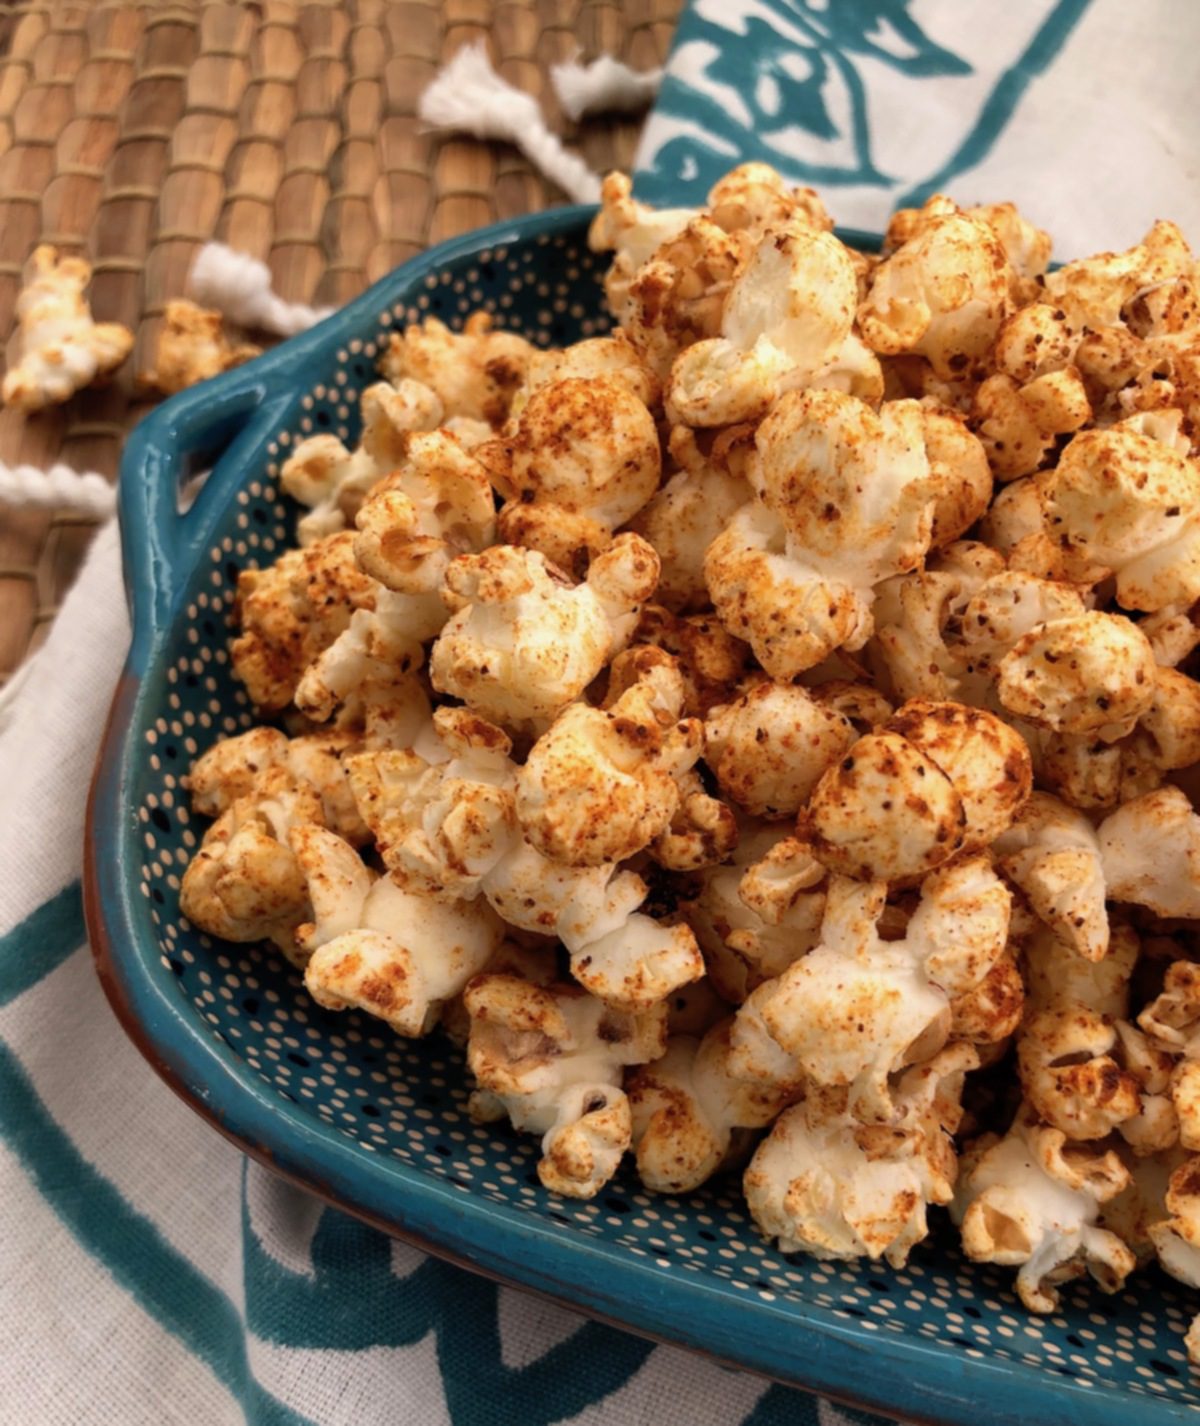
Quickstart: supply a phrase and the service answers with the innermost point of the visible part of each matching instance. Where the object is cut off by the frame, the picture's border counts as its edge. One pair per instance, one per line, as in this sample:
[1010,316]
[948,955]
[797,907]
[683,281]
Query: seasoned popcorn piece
[524,641]
[958,467]
[292,611]
[443,815]
[919,621]
[581,459]
[1052,853]
[1150,849]
[1094,291]
[751,938]
[937,779]
[1173,633]
[380,948]
[712,662]
[753,197]
[1171,1021]
[1175,1235]
[1026,246]
[857,1008]
[694,506]
[824,1184]
[1090,675]
[1056,974]
[551,1058]
[239,766]
[1121,501]
[1070,1075]
[1020,426]
[62,348]
[787,322]
[769,748]
[602,783]
[844,500]
[611,358]
[1015,528]
[942,294]
[192,346]
[1031,1200]
[474,373]
[687,1107]
[243,883]
[632,231]
[332,481]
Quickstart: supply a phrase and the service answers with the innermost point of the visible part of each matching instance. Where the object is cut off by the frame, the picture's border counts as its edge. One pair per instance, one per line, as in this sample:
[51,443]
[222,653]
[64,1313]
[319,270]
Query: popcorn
[1052,854]
[787,322]
[768,749]
[333,482]
[937,779]
[683,518]
[942,294]
[602,784]
[524,642]
[857,1008]
[844,499]
[62,348]
[1024,1201]
[687,1108]
[377,947]
[291,612]
[581,460]
[473,373]
[551,1059]
[825,1184]
[192,346]
[1150,849]
[767,854]
[1121,502]
[752,936]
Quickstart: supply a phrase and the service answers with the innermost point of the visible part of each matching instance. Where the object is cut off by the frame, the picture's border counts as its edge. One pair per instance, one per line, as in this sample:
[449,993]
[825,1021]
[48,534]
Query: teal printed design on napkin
[805,85]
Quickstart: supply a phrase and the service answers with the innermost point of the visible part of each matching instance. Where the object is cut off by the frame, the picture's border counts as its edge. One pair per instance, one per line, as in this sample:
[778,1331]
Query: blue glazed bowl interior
[406,1101]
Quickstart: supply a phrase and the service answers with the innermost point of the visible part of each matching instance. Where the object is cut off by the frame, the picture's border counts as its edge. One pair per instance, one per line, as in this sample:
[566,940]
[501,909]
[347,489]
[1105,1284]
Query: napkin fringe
[239,287]
[80,492]
[605,86]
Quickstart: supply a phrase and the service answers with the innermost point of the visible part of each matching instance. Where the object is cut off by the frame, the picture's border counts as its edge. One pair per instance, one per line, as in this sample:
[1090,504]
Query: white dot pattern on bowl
[408,1099]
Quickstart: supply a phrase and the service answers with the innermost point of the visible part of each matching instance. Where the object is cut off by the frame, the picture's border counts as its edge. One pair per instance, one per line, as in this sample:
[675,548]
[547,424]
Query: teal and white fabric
[150,1275]
[1080,111]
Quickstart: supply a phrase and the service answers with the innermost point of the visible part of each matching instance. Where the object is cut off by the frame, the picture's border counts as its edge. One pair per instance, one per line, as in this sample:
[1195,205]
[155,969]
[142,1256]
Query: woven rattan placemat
[133,133]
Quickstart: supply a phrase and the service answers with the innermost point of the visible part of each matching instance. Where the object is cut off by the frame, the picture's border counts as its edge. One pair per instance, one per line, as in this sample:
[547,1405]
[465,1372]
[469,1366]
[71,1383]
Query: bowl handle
[220,426]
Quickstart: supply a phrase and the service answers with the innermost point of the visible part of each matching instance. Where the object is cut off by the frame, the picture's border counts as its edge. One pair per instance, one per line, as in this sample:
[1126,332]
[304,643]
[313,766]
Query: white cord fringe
[58,488]
[239,287]
[468,95]
[606,86]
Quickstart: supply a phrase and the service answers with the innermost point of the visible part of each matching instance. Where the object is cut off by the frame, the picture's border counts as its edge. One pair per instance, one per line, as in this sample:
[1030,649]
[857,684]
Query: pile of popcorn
[760,736]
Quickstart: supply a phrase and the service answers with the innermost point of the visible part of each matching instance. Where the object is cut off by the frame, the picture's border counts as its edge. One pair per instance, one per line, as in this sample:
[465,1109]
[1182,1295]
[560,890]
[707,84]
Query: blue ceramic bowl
[378,1125]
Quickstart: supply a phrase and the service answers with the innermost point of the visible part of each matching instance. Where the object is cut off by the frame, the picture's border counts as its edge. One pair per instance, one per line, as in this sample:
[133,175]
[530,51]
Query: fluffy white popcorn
[787,322]
[580,460]
[936,779]
[473,373]
[1094,291]
[683,518]
[62,348]
[332,481]
[244,884]
[823,1183]
[1175,1236]
[844,500]
[524,642]
[753,197]
[291,612]
[1056,974]
[613,358]
[602,783]
[1052,854]
[942,295]
[687,1108]
[378,947]
[768,749]
[752,937]
[857,1008]
[632,231]
[1090,675]
[243,765]
[1024,1201]
[1071,1076]
[1150,849]
[551,1058]
[1121,501]
[961,476]
[192,346]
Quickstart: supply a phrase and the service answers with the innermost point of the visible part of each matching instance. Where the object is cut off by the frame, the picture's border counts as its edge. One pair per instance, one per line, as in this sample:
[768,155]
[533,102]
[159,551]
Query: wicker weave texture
[134,133]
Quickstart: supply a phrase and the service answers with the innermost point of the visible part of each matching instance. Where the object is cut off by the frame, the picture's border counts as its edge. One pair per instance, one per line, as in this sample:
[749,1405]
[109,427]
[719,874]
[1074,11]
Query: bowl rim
[798,1344]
